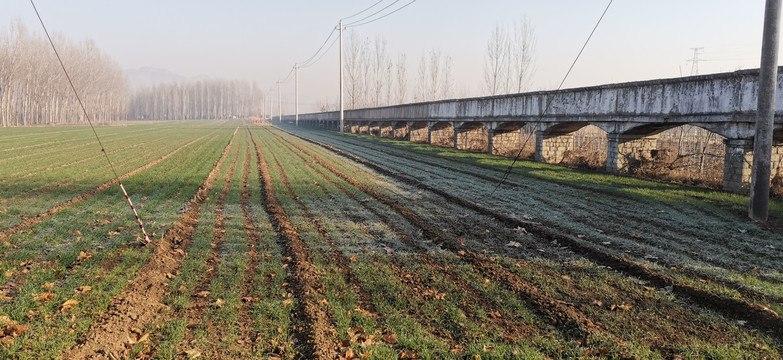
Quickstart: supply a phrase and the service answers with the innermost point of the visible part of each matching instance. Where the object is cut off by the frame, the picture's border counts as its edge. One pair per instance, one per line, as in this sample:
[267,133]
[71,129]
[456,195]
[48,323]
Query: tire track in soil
[142,300]
[693,251]
[756,315]
[314,331]
[246,326]
[570,320]
[199,300]
[488,305]
[32,221]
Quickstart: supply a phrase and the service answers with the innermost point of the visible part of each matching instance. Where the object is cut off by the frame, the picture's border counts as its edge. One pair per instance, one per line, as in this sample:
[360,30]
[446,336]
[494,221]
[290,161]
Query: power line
[305,63]
[373,14]
[372,6]
[322,55]
[551,98]
[89,121]
[376,19]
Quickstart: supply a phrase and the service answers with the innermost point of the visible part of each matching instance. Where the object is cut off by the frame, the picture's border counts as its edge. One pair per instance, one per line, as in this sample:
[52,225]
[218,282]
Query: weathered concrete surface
[629,112]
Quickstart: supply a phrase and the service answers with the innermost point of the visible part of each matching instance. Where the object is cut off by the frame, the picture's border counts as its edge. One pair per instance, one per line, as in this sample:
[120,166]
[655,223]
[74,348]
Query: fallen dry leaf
[48,286]
[5,321]
[44,297]
[10,332]
[83,289]
[287,302]
[219,303]
[83,256]
[192,353]
[68,304]
[203,294]
[389,339]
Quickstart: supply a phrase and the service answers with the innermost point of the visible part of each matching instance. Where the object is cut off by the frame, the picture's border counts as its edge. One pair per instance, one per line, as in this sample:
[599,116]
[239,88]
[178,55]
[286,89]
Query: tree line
[34,89]
[375,78]
[209,99]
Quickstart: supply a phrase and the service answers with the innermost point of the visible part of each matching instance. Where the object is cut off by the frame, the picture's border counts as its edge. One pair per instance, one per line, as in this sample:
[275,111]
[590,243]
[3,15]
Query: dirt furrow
[246,326]
[487,305]
[337,257]
[756,315]
[313,326]
[141,301]
[30,222]
[693,249]
[200,296]
[569,319]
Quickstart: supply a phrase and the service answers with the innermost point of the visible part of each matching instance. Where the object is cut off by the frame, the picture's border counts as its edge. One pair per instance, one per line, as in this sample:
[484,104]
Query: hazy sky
[261,40]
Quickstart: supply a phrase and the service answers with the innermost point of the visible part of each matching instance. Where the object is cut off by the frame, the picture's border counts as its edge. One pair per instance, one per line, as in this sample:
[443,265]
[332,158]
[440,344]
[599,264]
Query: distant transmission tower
[695,61]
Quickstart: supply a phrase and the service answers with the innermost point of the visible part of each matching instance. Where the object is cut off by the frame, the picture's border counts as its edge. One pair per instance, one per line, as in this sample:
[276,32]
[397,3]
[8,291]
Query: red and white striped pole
[141,225]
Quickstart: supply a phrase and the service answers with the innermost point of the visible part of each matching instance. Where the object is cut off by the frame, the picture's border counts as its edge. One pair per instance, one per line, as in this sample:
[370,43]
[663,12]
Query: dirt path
[313,324]
[141,301]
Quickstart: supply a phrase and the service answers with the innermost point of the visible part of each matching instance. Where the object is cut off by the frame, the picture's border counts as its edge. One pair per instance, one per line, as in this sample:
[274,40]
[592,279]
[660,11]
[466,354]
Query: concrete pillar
[551,147]
[490,140]
[429,133]
[613,158]
[456,137]
[737,164]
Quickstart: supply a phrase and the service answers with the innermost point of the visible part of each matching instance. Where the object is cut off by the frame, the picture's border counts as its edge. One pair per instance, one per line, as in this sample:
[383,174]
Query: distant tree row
[211,99]
[34,90]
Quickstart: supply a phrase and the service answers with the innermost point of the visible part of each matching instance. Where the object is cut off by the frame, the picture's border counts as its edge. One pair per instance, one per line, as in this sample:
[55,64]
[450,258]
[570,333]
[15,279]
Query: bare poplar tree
[496,61]
[355,67]
[435,81]
[520,55]
[509,58]
[402,78]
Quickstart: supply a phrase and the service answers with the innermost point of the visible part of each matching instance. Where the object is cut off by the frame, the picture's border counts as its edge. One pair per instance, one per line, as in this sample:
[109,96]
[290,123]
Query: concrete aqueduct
[631,114]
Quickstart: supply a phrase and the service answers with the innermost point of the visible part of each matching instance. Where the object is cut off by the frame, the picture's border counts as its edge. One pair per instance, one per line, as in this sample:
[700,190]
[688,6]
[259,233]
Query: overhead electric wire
[551,98]
[89,121]
[371,6]
[305,63]
[319,54]
[373,14]
[322,55]
[376,19]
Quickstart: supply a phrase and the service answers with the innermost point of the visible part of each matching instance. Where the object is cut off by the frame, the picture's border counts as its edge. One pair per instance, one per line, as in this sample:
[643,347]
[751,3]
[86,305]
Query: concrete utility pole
[296,73]
[263,115]
[342,127]
[762,143]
